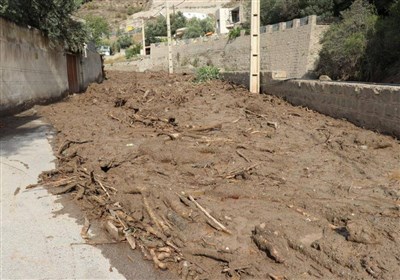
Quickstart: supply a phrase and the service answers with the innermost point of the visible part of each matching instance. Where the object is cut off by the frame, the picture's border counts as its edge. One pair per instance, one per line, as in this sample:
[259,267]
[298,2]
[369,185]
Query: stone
[324,78]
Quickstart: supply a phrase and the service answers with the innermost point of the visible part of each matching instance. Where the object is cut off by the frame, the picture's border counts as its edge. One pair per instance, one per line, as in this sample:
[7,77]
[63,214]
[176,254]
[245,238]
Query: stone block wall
[375,107]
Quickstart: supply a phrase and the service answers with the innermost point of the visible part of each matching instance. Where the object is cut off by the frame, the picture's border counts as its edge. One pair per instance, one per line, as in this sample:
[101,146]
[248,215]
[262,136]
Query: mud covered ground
[212,182]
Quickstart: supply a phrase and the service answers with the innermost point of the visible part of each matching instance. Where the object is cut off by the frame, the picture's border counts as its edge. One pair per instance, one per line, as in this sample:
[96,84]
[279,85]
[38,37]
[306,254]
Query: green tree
[343,54]
[194,29]
[177,21]
[322,8]
[98,28]
[158,28]
[125,41]
[155,28]
[207,25]
[52,17]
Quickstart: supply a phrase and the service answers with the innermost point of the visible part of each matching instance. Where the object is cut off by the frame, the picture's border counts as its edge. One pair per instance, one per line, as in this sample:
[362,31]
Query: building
[228,18]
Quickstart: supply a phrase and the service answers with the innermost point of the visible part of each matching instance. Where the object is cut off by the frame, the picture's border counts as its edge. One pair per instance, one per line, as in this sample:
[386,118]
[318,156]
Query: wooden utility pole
[255,47]
[143,38]
[170,65]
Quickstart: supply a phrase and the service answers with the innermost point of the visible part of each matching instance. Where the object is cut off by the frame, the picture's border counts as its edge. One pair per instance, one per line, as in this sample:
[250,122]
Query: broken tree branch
[221,226]
[242,156]
[209,253]
[102,186]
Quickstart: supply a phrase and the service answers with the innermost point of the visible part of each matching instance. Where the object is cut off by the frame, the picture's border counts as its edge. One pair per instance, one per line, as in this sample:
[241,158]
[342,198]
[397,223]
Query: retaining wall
[376,107]
[289,46]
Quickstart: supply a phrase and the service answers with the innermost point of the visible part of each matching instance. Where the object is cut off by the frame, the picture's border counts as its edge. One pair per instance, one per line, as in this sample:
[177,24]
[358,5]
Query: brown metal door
[72,70]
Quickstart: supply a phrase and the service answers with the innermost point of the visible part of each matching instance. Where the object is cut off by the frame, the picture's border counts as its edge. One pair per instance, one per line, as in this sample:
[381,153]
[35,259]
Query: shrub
[115,48]
[132,10]
[207,73]
[132,51]
[234,33]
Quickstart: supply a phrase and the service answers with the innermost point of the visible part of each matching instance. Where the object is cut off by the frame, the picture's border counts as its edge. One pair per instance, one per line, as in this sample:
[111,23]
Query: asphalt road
[40,233]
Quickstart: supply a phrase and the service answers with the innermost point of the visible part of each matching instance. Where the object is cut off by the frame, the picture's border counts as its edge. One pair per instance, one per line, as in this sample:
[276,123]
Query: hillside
[117,12]
[114,11]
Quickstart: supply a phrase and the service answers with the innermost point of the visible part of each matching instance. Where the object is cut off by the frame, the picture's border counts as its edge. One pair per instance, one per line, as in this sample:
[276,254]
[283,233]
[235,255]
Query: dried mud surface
[292,194]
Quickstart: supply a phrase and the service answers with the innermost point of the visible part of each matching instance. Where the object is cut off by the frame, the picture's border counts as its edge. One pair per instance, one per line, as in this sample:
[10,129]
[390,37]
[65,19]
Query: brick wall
[292,47]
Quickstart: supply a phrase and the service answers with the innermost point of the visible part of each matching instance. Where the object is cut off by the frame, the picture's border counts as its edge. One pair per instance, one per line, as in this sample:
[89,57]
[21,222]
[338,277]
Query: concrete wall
[376,107]
[33,70]
[30,70]
[292,47]
[91,67]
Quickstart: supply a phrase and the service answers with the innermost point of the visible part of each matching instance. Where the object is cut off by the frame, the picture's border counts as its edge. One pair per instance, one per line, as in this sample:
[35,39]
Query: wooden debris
[131,241]
[242,156]
[221,226]
[101,185]
[269,123]
[158,263]
[172,136]
[80,193]
[67,143]
[85,229]
[236,173]
[177,207]
[268,241]
[113,231]
[65,189]
[162,256]
[160,224]
[215,127]
[185,270]
[209,253]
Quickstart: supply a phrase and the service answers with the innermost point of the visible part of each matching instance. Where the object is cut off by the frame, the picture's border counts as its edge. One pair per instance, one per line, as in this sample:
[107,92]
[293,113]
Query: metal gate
[72,69]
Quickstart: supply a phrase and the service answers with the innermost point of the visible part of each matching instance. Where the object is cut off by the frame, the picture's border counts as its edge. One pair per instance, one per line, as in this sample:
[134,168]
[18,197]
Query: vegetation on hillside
[343,55]
[112,11]
[52,17]
[363,41]
[363,46]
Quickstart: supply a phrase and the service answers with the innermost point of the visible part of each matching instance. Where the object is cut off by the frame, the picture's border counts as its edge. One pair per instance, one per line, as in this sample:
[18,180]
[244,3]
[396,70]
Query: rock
[324,78]
[361,232]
